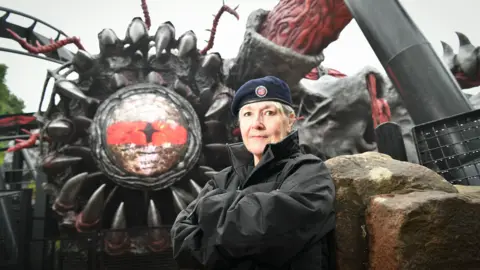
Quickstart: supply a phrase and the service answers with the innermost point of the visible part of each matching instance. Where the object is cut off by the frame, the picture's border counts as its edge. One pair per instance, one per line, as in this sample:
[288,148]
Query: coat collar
[241,158]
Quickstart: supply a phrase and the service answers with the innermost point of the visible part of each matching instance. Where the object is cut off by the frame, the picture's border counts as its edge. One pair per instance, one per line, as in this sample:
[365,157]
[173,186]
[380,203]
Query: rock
[424,230]
[468,189]
[361,176]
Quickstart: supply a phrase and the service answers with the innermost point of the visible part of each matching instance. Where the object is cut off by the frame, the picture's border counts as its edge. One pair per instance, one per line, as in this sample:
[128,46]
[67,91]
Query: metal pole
[428,89]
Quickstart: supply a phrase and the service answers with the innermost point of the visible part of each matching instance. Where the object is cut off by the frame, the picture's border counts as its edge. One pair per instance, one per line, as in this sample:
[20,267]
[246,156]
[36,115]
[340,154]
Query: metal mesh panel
[451,147]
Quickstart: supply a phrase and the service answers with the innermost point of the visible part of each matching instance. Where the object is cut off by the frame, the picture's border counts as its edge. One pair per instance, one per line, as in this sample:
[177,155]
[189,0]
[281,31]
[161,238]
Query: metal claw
[92,213]
[66,198]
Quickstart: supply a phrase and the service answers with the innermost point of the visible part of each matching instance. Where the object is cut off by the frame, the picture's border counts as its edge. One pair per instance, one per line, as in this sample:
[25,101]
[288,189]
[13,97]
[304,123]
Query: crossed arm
[220,227]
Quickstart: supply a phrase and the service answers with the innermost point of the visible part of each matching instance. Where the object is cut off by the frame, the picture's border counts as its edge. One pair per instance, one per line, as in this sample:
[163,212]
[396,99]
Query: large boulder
[359,177]
[424,230]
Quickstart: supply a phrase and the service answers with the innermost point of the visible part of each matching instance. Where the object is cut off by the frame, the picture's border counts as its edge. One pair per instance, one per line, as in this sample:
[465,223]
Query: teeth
[66,198]
[212,61]
[119,81]
[92,212]
[107,38]
[158,239]
[154,219]
[155,77]
[220,104]
[187,43]
[196,189]
[82,61]
[117,240]
[137,31]
[164,37]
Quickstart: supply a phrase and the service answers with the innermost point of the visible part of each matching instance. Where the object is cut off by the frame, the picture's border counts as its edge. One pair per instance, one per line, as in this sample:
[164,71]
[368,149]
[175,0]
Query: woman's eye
[269,113]
[246,114]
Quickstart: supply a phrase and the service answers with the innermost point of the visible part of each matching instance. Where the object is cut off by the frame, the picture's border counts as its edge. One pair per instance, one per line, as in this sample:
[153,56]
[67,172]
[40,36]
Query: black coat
[277,215]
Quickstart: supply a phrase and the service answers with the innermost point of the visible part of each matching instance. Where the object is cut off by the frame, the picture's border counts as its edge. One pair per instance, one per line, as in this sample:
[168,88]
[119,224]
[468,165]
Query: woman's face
[262,123]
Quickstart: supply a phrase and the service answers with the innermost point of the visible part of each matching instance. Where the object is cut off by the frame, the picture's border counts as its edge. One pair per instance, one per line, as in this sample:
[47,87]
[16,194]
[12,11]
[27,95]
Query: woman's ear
[291,121]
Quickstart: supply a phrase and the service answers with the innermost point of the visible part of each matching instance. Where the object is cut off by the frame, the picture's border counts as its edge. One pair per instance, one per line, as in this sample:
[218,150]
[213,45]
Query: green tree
[9,103]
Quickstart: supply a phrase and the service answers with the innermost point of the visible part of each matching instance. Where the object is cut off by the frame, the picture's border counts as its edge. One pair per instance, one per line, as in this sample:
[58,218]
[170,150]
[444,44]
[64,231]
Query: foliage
[9,102]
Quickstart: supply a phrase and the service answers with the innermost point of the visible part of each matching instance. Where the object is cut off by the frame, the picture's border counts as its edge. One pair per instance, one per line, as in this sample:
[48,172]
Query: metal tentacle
[60,56]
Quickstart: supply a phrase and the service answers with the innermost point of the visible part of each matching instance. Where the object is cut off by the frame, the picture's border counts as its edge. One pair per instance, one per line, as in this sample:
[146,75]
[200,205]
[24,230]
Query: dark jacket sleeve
[251,223]
[191,248]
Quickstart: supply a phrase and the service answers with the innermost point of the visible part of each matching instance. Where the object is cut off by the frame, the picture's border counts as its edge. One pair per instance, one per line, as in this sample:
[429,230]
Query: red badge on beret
[261,91]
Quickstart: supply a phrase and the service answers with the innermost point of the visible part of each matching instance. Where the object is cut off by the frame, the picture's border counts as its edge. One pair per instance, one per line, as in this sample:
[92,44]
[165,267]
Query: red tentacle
[223,9]
[46,48]
[146,14]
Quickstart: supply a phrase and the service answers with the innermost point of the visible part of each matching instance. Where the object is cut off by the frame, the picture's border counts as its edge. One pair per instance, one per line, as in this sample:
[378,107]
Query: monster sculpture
[132,139]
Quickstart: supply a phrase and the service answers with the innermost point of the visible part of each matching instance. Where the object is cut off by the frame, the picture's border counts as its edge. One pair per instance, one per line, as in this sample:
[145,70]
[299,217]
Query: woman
[273,208]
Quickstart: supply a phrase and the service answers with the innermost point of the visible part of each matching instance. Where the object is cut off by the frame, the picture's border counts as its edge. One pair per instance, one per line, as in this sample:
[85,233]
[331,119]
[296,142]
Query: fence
[15,228]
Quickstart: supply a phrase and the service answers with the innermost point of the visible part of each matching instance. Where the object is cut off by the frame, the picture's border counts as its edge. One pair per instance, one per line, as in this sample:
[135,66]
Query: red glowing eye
[140,134]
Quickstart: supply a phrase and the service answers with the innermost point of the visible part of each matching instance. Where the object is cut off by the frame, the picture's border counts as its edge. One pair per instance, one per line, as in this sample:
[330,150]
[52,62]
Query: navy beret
[268,88]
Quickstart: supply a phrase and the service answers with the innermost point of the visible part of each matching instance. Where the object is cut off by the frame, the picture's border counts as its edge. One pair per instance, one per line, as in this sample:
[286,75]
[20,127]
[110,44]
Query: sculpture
[137,134]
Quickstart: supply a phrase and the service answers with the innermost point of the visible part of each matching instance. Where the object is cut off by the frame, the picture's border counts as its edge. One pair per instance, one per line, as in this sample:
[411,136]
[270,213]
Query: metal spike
[163,37]
[217,147]
[220,104]
[70,90]
[77,151]
[106,38]
[137,31]
[463,39]
[178,203]
[196,189]
[155,77]
[187,43]
[211,174]
[448,55]
[153,217]
[66,197]
[206,168]
[212,61]
[55,162]
[82,61]
[158,239]
[117,240]
[82,123]
[467,56]
[119,222]
[119,81]
[185,196]
[92,212]
[60,129]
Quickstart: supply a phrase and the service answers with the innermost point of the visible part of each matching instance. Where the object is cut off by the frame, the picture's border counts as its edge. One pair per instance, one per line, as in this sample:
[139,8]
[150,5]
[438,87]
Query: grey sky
[437,19]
